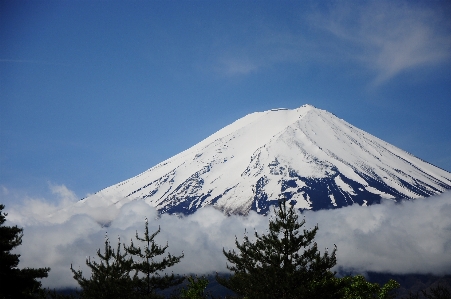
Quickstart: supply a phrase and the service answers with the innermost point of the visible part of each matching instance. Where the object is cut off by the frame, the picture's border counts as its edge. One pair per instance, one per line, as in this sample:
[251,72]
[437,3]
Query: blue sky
[95,92]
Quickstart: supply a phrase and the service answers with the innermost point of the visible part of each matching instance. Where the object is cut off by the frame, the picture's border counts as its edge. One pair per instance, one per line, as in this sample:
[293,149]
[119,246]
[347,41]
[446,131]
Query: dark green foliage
[150,278]
[132,274]
[195,288]
[110,277]
[285,263]
[16,283]
[357,287]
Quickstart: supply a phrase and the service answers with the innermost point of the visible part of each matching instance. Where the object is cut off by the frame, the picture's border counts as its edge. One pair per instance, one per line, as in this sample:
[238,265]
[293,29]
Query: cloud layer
[412,237]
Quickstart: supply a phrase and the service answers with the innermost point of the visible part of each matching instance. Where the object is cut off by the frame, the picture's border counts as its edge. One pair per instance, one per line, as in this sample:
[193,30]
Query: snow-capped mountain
[308,155]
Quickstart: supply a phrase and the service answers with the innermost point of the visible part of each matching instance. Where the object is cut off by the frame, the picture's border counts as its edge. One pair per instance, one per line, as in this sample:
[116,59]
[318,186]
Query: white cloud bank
[412,237]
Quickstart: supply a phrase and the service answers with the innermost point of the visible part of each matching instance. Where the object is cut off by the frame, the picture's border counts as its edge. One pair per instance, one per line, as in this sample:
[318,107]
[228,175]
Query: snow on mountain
[308,155]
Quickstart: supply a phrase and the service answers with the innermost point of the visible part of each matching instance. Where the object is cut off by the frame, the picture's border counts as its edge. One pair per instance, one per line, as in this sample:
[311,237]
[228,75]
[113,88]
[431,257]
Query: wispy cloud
[257,49]
[388,37]
[412,237]
[234,66]
[381,37]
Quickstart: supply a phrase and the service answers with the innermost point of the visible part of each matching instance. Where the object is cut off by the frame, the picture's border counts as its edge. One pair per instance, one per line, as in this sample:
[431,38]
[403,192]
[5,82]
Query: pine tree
[149,270]
[118,275]
[284,263]
[110,278]
[16,283]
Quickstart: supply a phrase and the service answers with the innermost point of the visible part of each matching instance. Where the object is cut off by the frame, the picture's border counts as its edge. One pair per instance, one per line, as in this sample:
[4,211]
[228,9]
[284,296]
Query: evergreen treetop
[110,277]
[150,270]
[284,263]
[134,273]
[16,283]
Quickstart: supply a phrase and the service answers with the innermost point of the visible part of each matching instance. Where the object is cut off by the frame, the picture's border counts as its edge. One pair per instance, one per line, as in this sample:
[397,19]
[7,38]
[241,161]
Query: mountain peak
[308,106]
[306,155]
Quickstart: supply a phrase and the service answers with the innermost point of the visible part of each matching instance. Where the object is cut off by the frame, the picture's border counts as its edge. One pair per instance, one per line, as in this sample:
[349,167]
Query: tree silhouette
[111,277]
[284,263]
[150,270]
[134,273]
[16,283]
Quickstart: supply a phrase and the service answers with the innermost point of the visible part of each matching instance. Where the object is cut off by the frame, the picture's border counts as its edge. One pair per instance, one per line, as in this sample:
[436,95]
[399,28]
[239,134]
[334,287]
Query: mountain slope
[309,155]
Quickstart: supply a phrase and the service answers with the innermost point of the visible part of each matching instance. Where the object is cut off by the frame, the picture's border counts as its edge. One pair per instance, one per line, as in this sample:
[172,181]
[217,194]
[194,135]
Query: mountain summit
[310,156]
